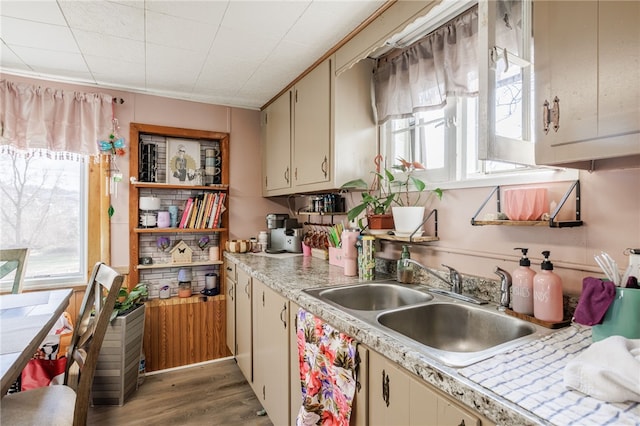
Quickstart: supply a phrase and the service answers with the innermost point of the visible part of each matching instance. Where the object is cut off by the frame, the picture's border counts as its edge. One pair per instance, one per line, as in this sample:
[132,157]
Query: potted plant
[388,189]
[116,375]
[376,199]
[408,214]
[129,300]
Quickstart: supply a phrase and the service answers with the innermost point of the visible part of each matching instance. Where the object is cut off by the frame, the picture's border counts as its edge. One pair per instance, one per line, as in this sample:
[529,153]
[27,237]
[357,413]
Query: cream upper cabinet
[244,356]
[332,127]
[276,139]
[271,352]
[311,127]
[587,70]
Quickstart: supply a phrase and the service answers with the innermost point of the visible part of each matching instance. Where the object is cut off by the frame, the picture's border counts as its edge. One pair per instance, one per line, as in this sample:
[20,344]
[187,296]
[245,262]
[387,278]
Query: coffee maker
[285,234]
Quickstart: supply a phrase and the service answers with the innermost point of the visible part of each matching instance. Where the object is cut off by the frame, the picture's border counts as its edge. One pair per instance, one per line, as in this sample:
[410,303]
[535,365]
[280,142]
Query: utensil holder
[622,318]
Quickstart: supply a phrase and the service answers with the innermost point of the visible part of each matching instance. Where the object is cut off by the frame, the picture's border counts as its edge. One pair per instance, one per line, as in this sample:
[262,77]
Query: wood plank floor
[209,394]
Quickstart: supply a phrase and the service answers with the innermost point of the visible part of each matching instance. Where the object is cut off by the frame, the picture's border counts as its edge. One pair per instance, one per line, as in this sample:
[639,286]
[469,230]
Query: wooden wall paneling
[184,331]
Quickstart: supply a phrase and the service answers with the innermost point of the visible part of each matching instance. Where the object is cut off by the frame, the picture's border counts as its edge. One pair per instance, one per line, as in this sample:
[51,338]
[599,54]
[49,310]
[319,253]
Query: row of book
[203,211]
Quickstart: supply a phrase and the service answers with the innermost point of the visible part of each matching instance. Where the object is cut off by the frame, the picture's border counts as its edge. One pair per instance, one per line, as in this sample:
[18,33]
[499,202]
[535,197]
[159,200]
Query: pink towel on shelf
[594,301]
[327,372]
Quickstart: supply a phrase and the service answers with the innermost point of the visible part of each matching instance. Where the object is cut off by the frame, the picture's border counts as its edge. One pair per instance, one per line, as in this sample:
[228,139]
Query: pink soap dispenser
[547,292]
[522,285]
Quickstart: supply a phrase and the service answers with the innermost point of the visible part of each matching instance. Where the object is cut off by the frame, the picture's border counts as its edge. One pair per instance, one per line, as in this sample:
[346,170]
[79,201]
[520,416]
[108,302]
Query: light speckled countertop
[290,276]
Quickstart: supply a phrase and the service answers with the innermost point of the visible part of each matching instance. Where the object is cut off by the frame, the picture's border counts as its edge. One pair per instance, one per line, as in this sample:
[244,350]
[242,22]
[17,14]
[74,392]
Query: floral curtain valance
[34,118]
[422,75]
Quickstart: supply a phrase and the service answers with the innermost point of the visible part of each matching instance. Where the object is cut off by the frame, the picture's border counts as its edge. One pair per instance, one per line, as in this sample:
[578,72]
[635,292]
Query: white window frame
[71,279]
[490,146]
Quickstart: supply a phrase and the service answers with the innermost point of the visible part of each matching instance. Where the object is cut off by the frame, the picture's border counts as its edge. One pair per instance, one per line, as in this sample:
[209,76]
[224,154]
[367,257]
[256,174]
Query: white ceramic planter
[407,220]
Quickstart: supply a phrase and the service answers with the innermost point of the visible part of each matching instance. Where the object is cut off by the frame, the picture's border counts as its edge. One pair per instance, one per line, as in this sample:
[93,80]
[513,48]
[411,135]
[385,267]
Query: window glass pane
[42,208]
[508,101]
[430,139]
[470,110]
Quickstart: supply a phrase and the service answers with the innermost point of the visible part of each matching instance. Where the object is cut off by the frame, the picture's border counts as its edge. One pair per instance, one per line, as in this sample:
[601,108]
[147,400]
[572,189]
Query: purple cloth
[594,301]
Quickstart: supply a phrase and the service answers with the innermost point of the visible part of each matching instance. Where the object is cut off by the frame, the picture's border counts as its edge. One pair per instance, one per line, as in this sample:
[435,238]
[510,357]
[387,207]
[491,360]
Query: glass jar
[184,289]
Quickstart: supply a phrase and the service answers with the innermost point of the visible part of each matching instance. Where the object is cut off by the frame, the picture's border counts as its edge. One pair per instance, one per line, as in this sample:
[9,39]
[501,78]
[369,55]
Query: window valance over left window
[38,118]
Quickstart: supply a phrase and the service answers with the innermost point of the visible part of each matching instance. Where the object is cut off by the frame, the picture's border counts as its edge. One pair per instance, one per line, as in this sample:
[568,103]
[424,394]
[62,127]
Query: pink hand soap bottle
[522,285]
[547,292]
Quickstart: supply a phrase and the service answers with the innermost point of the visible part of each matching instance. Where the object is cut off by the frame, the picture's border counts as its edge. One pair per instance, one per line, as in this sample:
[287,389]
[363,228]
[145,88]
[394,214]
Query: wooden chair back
[88,335]
[14,260]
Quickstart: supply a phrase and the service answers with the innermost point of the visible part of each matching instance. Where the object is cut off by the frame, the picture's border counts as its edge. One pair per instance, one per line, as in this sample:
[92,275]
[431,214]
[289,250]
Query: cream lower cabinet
[389,392]
[360,403]
[398,398]
[230,301]
[271,352]
[244,324]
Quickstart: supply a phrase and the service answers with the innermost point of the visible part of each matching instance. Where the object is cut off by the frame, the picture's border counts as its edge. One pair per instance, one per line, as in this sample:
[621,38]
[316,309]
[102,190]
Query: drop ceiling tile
[18,32]
[209,12]
[46,12]
[178,32]
[233,74]
[10,60]
[330,21]
[105,17]
[109,46]
[167,64]
[50,61]
[264,18]
[230,43]
[117,73]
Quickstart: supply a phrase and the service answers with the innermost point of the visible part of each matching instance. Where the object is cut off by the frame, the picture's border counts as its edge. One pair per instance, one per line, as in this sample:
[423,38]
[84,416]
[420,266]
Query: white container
[149,203]
[408,220]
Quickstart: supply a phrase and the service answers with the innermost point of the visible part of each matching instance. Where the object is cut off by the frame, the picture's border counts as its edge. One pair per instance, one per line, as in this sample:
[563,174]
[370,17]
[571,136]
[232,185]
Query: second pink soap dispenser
[547,292]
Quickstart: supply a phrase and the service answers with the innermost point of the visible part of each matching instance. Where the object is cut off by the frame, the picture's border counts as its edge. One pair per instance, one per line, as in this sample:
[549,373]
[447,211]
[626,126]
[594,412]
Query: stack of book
[203,211]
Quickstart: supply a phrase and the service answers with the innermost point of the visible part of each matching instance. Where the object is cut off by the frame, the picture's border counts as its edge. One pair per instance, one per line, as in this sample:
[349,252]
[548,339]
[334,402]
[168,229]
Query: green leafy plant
[403,185]
[387,189]
[127,300]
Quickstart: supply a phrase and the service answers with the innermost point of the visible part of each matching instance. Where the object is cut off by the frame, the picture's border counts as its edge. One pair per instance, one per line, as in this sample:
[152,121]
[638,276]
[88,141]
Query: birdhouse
[181,253]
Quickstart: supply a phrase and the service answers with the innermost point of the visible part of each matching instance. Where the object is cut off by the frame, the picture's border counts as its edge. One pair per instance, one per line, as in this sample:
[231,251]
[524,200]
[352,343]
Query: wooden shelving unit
[196,324]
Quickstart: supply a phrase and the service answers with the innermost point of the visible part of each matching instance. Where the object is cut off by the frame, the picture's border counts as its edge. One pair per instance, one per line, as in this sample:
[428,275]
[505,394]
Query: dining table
[25,320]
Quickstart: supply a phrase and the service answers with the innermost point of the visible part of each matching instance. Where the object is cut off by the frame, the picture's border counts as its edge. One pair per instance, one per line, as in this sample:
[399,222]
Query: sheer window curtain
[420,76]
[59,123]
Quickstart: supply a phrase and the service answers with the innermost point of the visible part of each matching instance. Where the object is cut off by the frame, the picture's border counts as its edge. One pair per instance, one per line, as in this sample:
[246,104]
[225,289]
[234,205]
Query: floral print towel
[327,372]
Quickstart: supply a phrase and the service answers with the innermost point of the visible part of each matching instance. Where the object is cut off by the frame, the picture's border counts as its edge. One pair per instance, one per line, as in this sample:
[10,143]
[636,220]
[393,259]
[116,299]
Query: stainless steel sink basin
[374,296]
[453,332]
[455,327]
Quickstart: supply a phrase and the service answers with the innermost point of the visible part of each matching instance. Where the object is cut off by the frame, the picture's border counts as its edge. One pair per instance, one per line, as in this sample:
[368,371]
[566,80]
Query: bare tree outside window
[41,207]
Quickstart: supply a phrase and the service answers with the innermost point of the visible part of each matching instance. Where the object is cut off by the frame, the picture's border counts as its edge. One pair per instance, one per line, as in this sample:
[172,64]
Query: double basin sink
[450,331]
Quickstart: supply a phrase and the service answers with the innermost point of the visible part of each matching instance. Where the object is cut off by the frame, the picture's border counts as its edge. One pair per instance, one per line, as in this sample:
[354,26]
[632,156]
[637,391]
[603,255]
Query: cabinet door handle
[324,166]
[246,288]
[385,387]
[286,175]
[461,423]
[545,117]
[231,292]
[283,317]
[555,114]
[551,115]
[229,268]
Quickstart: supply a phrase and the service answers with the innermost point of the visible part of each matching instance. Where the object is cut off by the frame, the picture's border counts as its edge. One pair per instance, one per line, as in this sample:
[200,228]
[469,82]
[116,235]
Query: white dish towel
[608,370]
